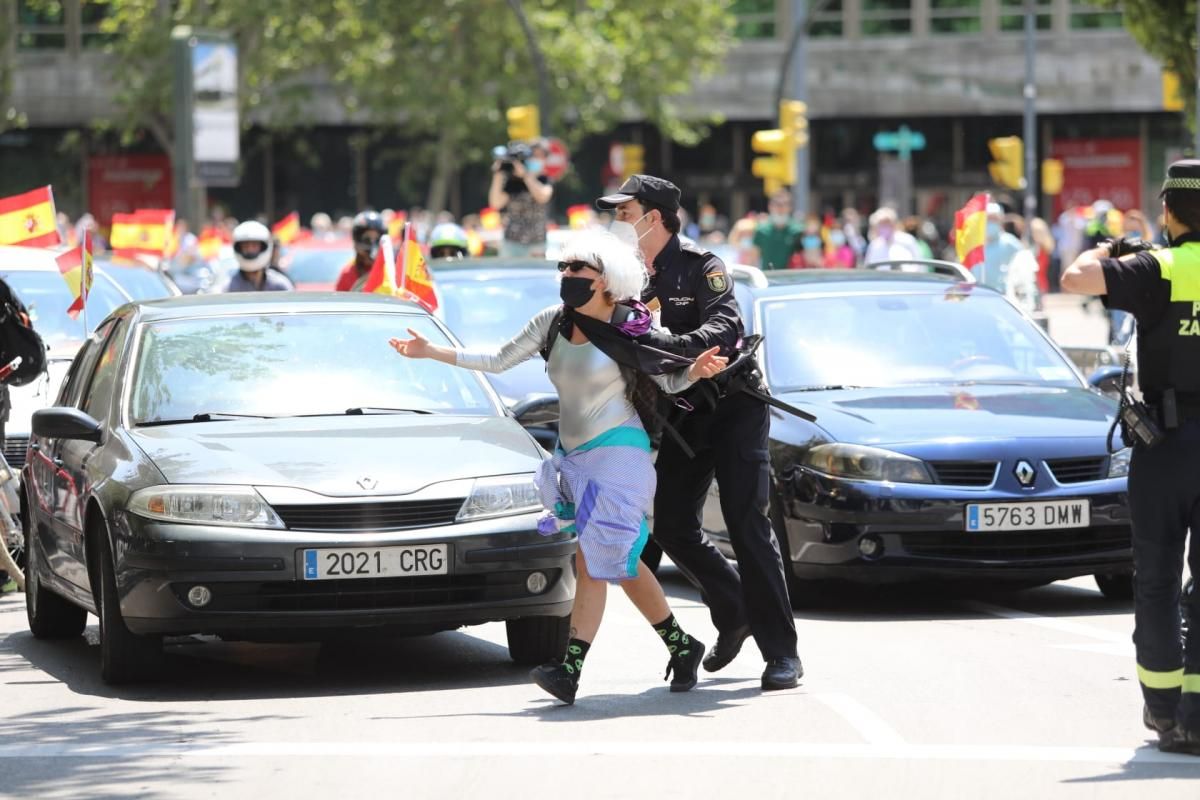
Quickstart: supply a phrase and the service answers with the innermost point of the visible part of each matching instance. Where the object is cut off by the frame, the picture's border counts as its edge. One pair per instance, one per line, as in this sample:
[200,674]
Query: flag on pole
[489,219]
[396,225]
[414,274]
[29,219]
[382,277]
[287,230]
[970,231]
[145,232]
[409,279]
[75,266]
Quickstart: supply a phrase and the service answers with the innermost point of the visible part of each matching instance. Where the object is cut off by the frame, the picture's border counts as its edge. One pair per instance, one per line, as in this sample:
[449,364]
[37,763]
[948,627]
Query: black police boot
[782,673]
[1180,740]
[685,664]
[1157,724]
[556,679]
[728,645]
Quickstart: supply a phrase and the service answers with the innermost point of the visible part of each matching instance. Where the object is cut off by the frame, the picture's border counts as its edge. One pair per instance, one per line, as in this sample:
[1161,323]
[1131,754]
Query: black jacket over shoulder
[695,294]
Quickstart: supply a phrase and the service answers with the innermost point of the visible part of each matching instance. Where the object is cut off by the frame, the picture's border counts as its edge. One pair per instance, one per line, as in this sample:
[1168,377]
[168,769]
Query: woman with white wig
[600,482]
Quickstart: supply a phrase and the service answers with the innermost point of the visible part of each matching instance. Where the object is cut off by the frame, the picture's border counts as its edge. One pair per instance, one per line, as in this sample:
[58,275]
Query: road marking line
[735,749]
[1053,623]
[869,725]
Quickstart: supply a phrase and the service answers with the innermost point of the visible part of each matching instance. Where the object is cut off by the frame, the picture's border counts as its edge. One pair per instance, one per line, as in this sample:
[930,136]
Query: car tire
[50,616]
[125,657]
[536,640]
[1116,586]
[803,593]
[652,556]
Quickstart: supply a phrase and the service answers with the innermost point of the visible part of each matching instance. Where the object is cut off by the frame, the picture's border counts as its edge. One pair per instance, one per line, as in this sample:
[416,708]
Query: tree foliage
[1166,29]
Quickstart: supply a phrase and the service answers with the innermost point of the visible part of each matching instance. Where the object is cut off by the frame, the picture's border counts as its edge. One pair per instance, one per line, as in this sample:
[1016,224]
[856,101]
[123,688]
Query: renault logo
[1025,472]
[367,483]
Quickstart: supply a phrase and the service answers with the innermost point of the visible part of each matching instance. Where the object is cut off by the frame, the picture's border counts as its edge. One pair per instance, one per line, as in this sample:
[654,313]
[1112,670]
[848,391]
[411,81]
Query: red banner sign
[120,184]
[1099,169]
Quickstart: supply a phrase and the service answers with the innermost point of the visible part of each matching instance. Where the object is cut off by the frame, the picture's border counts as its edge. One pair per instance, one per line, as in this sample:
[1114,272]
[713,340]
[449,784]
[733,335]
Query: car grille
[393,516]
[1077,470]
[964,473]
[367,594]
[14,451]
[1014,546]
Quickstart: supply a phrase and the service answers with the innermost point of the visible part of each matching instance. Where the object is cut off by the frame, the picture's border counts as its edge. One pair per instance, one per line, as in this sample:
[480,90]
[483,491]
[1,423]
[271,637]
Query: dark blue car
[953,438]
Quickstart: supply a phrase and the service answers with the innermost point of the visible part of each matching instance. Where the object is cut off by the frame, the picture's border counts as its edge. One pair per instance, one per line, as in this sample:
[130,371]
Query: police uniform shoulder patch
[717,281]
[694,249]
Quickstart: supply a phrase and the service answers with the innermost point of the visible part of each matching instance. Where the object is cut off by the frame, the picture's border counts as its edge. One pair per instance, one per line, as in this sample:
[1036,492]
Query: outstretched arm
[522,347]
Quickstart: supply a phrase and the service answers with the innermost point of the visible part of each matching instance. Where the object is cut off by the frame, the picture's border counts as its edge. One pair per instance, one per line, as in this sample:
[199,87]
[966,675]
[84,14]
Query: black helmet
[367,221]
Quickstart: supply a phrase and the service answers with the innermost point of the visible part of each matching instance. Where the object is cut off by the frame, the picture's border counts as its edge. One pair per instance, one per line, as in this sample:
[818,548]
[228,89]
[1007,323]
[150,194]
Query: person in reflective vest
[1161,288]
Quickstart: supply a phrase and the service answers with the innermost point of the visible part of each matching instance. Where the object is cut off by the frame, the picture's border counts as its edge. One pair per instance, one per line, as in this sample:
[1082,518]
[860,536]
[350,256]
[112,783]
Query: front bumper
[258,589]
[920,533]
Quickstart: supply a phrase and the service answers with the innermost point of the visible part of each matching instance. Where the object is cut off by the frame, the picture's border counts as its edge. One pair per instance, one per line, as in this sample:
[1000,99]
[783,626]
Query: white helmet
[253,259]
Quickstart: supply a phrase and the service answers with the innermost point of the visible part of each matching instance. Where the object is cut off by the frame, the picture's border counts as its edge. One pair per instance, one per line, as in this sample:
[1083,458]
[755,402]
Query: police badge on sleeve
[717,281]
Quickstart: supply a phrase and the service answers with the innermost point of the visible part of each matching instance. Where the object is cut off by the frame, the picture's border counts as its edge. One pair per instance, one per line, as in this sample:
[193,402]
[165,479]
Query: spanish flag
[287,230]
[396,225]
[414,275]
[489,219]
[970,231]
[410,280]
[146,232]
[579,217]
[28,219]
[75,265]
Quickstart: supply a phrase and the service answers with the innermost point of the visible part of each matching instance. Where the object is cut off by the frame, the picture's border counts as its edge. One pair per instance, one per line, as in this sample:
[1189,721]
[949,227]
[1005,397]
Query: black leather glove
[1129,244]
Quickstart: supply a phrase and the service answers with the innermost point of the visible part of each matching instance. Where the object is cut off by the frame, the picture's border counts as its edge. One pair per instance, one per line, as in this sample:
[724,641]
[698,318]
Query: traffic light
[633,160]
[793,117]
[1007,167]
[1052,176]
[523,124]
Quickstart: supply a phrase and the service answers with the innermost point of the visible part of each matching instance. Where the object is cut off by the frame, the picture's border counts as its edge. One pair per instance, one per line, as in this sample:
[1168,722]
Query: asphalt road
[907,694]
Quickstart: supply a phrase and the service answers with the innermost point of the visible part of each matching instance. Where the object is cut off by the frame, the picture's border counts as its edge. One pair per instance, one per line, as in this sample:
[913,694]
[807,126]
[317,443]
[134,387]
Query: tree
[10,115]
[1166,29]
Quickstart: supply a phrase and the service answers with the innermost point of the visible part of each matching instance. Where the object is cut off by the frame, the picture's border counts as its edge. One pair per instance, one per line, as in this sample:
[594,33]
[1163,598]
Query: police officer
[694,294]
[1161,288]
[368,228]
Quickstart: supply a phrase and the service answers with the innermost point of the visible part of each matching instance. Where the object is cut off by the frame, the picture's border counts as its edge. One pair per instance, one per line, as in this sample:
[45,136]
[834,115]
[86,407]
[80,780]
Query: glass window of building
[92,15]
[955,16]
[755,19]
[886,17]
[41,25]
[826,19]
[1012,15]
[1088,17]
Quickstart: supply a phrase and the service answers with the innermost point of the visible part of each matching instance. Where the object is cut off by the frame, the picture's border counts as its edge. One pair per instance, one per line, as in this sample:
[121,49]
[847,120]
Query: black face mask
[575,292]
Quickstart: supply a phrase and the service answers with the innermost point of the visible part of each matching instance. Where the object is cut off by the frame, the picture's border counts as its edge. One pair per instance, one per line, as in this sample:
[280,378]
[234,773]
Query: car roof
[792,282]
[28,258]
[205,305]
[474,268]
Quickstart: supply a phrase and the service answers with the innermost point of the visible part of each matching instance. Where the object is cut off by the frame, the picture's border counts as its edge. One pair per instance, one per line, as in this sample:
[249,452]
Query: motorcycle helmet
[252,246]
[366,242]
[448,241]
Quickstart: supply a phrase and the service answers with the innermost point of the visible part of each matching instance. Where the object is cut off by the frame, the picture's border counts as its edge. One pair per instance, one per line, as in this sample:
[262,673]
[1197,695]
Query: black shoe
[557,680]
[1157,724]
[782,673]
[1179,740]
[685,663]
[728,645]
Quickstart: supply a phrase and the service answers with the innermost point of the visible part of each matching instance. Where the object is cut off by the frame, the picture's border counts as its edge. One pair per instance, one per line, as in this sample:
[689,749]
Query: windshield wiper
[829,388]
[362,410]
[204,416]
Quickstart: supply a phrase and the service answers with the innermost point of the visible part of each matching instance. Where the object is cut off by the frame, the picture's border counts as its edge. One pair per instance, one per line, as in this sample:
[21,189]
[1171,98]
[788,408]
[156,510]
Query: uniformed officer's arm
[1086,273]
[720,322]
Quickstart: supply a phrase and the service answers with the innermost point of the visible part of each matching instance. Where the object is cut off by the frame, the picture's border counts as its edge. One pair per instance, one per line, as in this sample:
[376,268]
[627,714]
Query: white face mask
[627,231]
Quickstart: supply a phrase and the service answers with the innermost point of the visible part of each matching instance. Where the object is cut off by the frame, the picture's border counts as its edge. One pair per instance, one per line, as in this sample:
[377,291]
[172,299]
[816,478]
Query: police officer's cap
[1183,175]
[647,188]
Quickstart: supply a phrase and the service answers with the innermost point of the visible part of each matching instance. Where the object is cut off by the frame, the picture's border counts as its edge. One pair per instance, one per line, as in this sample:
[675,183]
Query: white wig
[620,263]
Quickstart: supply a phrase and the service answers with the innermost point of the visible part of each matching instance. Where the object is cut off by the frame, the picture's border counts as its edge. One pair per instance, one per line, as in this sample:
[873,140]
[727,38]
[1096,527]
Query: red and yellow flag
[28,219]
[287,230]
[145,232]
[396,225]
[579,217]
[409,280]
[970,231]
[75,265]
[489,219]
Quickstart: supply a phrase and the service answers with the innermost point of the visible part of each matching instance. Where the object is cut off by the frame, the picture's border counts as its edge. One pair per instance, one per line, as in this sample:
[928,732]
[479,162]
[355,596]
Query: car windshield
[47,298]
[294,364]
[138,282]
[904,339]
[316,266]
[492,311]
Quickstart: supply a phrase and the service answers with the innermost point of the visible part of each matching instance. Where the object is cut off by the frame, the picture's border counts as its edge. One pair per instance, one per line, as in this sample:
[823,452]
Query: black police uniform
[730,441]
[1162,290]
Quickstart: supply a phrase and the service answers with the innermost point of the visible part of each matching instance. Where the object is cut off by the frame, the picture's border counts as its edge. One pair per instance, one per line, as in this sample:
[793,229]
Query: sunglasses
[577,266]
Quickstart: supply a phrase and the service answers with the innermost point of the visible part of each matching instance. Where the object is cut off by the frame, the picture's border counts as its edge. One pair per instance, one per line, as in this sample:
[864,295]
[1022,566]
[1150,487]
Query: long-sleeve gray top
[591,389]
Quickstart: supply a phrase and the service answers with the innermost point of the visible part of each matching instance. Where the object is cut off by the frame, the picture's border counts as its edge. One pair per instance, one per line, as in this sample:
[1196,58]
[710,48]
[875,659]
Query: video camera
[510,154]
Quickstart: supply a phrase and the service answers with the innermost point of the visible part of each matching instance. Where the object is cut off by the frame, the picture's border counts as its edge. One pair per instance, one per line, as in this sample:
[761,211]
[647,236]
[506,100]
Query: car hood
[390,454]
[929,413]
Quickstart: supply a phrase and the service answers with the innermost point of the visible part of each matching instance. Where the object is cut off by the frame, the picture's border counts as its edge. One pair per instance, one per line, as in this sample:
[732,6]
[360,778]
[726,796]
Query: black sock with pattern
[573,661]
[678,643]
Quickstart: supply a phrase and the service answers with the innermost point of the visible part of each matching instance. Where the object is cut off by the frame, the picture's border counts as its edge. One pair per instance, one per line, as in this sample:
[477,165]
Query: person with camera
[366,231]
[1161,288]
[724,435]
[522,193]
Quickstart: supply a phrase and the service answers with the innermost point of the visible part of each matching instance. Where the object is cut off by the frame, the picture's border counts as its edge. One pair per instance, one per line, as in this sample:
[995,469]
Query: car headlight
[1118,463]
[501,496]
[239,506]
[858,462]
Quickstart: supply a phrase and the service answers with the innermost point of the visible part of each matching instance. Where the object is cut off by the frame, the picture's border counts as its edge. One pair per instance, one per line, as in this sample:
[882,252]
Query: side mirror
[66,423]
[536,409]
[1107,379]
